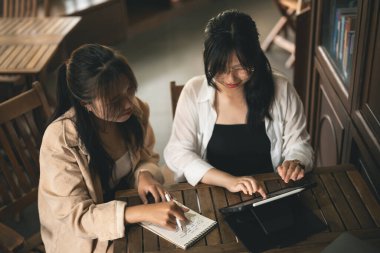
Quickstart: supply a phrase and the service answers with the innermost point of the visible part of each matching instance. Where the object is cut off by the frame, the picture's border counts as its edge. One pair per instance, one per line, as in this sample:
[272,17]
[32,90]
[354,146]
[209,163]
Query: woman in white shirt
[239,119]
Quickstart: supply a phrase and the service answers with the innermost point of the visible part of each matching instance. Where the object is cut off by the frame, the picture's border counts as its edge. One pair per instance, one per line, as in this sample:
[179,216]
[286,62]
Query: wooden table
[27,44]
[341,197]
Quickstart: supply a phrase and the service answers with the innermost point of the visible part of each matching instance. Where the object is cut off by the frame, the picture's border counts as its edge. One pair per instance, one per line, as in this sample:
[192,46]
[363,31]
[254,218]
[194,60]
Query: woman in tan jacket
[99,138]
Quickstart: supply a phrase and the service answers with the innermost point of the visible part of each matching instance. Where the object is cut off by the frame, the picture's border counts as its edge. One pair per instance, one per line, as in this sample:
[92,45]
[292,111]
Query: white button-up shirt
[194,121]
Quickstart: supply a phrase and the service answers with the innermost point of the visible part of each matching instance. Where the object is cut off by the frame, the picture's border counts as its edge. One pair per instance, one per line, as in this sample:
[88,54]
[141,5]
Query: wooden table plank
[46,56]
[340,202]
[327,207]
[53,27]
[8,61]
[366,195]
[273,185]
[371,233]
[33,62]
[207,209]
[225,248]
[309,201]
[220,201]
[120,245]
[25,26]
[32,51]
[8,51]
[190,199]
[333,169]
[354,201]
[173,187]
[164,244]
[245,196]
[232,197]
[24,51]
[135,234]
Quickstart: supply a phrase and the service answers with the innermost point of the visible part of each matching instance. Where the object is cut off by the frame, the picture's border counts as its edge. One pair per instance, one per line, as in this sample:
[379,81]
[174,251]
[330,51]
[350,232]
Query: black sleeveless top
[239,149]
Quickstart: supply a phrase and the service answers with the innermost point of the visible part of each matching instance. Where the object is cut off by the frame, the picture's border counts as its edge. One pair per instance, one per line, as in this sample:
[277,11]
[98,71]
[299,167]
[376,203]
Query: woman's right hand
[245,184]
[163,214]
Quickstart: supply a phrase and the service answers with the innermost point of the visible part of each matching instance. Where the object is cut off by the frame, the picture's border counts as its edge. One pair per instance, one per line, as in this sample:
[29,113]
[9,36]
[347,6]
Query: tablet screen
[260,201]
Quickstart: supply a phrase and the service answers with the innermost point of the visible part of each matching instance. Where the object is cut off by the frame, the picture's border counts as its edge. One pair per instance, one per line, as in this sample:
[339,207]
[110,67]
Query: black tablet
[273,196]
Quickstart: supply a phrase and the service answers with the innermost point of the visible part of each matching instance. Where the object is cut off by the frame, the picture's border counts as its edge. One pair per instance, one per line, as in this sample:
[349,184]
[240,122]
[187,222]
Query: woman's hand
[147,184]
[291,169]
[163,214]
[246,184]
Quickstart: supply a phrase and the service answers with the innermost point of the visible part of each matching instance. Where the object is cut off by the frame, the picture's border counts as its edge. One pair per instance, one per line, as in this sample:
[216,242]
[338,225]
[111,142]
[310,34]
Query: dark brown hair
[96,71]
[234,31]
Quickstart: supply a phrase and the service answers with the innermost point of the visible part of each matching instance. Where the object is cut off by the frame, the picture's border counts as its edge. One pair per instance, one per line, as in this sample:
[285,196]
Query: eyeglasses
[238,70]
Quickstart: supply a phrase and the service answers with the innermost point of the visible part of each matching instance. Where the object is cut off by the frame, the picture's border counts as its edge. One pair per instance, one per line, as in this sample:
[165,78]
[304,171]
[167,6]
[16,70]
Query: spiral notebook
[195,229]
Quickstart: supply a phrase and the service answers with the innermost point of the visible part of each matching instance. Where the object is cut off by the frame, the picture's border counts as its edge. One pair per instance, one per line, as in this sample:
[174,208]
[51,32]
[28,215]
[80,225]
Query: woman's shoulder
[197,89]
[196,83]
[282,86]
[62,130]
[280,80]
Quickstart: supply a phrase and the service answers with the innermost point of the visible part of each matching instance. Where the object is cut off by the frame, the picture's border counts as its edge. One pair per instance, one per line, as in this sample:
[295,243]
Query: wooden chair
[10,84]
[22,121]
[288,10]
[175,91]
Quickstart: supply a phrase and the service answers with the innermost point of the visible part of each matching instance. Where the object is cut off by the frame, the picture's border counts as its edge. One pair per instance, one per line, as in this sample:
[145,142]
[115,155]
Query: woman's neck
[231,107]
[112,139]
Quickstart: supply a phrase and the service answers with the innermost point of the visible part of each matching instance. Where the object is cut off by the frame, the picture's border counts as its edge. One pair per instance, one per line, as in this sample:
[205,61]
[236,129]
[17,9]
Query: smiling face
[235,75]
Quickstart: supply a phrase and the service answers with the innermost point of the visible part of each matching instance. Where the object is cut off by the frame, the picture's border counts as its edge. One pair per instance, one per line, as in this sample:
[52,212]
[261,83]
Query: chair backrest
[175,91]
[23,8]
[22,121]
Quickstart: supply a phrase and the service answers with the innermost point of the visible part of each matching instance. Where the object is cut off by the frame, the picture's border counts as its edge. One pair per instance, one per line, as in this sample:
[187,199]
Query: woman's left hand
[147,184]
[291,169]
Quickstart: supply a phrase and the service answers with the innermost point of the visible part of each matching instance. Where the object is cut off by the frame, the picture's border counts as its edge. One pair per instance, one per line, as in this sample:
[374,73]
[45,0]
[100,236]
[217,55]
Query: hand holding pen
[169,198]
[164,214]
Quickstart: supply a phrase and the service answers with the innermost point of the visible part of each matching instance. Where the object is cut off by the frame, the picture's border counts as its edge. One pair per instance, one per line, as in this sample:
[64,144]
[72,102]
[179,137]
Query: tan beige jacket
[70,201]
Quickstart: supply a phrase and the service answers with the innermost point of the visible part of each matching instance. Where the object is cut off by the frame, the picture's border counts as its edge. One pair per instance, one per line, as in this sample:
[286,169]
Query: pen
[168,198]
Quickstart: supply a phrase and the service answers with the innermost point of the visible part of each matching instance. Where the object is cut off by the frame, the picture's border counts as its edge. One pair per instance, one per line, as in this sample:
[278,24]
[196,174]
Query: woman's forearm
[134,214]
[216,177]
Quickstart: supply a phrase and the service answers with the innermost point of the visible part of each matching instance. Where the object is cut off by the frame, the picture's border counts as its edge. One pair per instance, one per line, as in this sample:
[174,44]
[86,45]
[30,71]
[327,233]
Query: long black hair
[96,71]
[234,31]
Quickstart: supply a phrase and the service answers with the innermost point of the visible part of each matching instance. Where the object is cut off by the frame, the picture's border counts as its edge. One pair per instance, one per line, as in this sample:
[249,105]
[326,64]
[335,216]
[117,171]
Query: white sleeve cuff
[120,225]
[196,170]
[303,159]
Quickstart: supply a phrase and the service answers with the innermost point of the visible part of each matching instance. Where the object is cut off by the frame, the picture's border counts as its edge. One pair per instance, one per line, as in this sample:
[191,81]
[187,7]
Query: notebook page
[197,226]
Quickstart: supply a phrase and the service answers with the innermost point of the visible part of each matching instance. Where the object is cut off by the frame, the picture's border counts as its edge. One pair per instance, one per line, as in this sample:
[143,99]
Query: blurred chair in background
[23,8]
[175,91]
[288,9]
